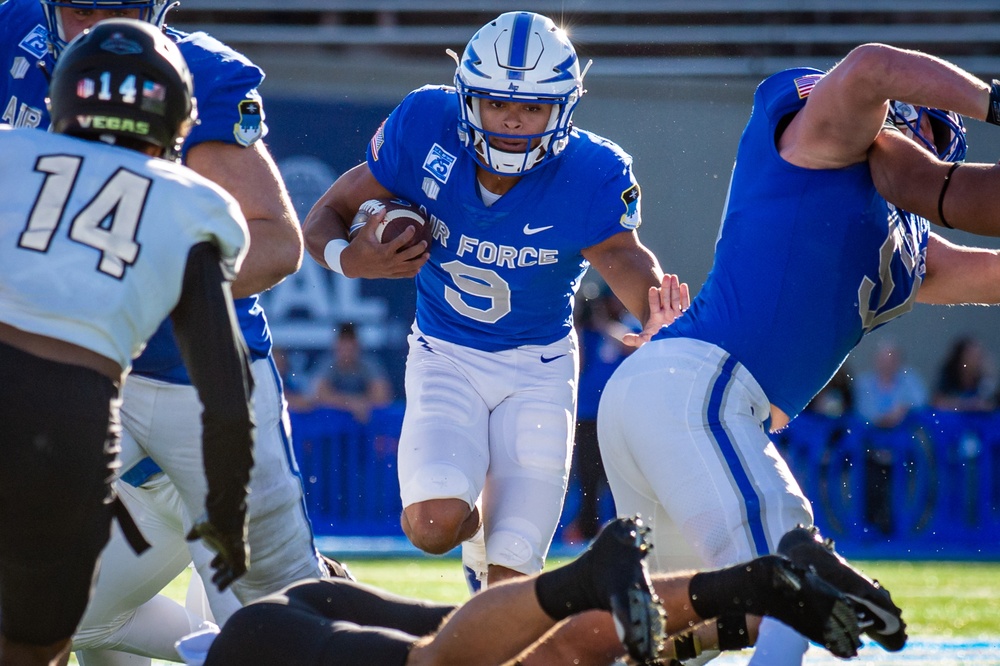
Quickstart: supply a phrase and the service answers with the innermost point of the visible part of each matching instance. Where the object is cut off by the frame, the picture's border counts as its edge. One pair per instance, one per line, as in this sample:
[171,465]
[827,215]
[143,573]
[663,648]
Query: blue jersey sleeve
[615,204]
[230,109]
[23,45]
[385,158]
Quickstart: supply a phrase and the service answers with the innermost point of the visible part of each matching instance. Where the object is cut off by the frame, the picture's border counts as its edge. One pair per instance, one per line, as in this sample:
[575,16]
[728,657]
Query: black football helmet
[123,79]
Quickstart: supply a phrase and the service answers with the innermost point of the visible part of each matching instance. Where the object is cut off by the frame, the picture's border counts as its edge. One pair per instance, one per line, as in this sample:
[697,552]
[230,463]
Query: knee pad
[516,544]
[437,481]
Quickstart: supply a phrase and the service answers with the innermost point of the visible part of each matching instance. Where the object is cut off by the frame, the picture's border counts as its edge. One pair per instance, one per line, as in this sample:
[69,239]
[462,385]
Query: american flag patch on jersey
[805,84]
[378,140]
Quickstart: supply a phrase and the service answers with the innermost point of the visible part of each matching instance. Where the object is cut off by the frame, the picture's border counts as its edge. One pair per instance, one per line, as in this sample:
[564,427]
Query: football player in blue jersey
[98,244]
[161,411]
[826,236]
[522,203]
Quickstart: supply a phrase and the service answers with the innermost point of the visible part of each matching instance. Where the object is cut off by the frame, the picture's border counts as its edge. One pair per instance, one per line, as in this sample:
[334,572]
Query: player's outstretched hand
[232,552]
[366,257]
[666,303]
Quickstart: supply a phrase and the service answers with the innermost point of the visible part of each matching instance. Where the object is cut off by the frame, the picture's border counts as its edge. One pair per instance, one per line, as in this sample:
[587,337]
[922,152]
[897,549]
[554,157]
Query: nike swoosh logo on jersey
[549,360]
[890,621]
[528,231]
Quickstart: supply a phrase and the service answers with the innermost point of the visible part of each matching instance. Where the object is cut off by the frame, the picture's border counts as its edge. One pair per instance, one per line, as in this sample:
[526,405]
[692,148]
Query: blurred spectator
[295,381]
[885,396]
[836,399]
[600,329]
[352,380]
[967,379]
[888,392]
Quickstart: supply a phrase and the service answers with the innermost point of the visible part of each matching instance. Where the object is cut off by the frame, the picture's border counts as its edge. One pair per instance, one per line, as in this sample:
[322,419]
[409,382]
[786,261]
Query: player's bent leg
[280,536]
[151,630]
[530,451]
[50,496]
[329,621]
[128,581]
[438,525]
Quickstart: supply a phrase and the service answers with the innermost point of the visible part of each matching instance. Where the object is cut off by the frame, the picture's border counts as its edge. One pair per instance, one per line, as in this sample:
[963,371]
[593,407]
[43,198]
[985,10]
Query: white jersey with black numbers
[94,239]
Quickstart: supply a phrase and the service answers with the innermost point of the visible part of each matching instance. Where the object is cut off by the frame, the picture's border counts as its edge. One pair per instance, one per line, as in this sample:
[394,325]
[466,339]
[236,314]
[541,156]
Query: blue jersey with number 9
[505,275]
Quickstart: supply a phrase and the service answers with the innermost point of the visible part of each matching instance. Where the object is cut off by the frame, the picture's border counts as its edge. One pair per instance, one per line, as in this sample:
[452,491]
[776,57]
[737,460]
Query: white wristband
[332,254]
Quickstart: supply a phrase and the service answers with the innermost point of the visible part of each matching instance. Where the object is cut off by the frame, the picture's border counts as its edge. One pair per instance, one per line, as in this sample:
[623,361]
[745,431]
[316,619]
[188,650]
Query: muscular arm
[331,218]
[908,176]
[629,268]
[957,274]
[846,109]
[252,177]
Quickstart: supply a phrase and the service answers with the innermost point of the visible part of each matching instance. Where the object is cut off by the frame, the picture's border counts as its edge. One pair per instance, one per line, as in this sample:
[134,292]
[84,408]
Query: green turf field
[940,600]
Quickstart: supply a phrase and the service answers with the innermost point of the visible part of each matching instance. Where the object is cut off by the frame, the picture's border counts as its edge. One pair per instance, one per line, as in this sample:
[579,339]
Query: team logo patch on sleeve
[805,84]
[36,42]
[251,124]
[378,140]
[439,162]
[630,197]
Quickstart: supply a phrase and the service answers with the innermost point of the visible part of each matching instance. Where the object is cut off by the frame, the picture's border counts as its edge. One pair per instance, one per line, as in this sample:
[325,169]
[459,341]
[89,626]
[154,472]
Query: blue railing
[927,489]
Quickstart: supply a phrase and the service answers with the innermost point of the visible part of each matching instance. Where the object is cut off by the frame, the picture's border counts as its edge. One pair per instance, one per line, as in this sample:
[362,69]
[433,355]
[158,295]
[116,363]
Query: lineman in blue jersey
[97,245]
[522,203]
[161,411]
[811,256]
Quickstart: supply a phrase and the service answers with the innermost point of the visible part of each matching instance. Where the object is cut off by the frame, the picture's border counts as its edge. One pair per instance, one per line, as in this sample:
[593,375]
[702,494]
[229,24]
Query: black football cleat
[805,602]
[880,619]
[619,559]
[336,568]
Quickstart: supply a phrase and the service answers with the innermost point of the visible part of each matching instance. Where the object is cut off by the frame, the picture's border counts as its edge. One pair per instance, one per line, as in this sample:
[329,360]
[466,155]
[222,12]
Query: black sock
[732,629]
[686,646]
[568,590]
[737,590]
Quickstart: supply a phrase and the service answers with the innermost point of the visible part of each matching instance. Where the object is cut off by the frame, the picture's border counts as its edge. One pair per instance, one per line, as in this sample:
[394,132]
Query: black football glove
[232,552]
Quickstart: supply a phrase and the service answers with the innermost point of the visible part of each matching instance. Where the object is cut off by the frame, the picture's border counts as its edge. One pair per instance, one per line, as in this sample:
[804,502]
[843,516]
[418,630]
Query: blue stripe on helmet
[518,55]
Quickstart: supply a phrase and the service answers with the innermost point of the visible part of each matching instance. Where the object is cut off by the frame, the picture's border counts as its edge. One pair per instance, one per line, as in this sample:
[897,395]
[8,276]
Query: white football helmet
[151,11]
[947,139]
[518,57]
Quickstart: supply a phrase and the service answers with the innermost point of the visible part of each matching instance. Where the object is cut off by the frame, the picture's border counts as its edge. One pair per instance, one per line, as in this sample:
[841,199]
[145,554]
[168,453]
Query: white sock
[778,645]
[474,557]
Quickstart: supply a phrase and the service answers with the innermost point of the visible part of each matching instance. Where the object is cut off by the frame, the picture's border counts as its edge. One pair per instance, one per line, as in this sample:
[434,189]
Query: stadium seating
[630,37]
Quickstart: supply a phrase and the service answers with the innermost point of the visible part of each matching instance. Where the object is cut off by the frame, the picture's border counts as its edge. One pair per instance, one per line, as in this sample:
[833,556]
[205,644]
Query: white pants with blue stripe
[681,430]
[163,421]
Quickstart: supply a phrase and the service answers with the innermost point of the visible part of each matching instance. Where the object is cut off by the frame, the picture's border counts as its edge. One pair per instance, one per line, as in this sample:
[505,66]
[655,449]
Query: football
[399,215]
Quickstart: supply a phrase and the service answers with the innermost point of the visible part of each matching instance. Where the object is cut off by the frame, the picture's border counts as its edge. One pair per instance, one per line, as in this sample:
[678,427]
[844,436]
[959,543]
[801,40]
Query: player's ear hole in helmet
[123,82]
[153,12]
[519,57]
[948,131]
